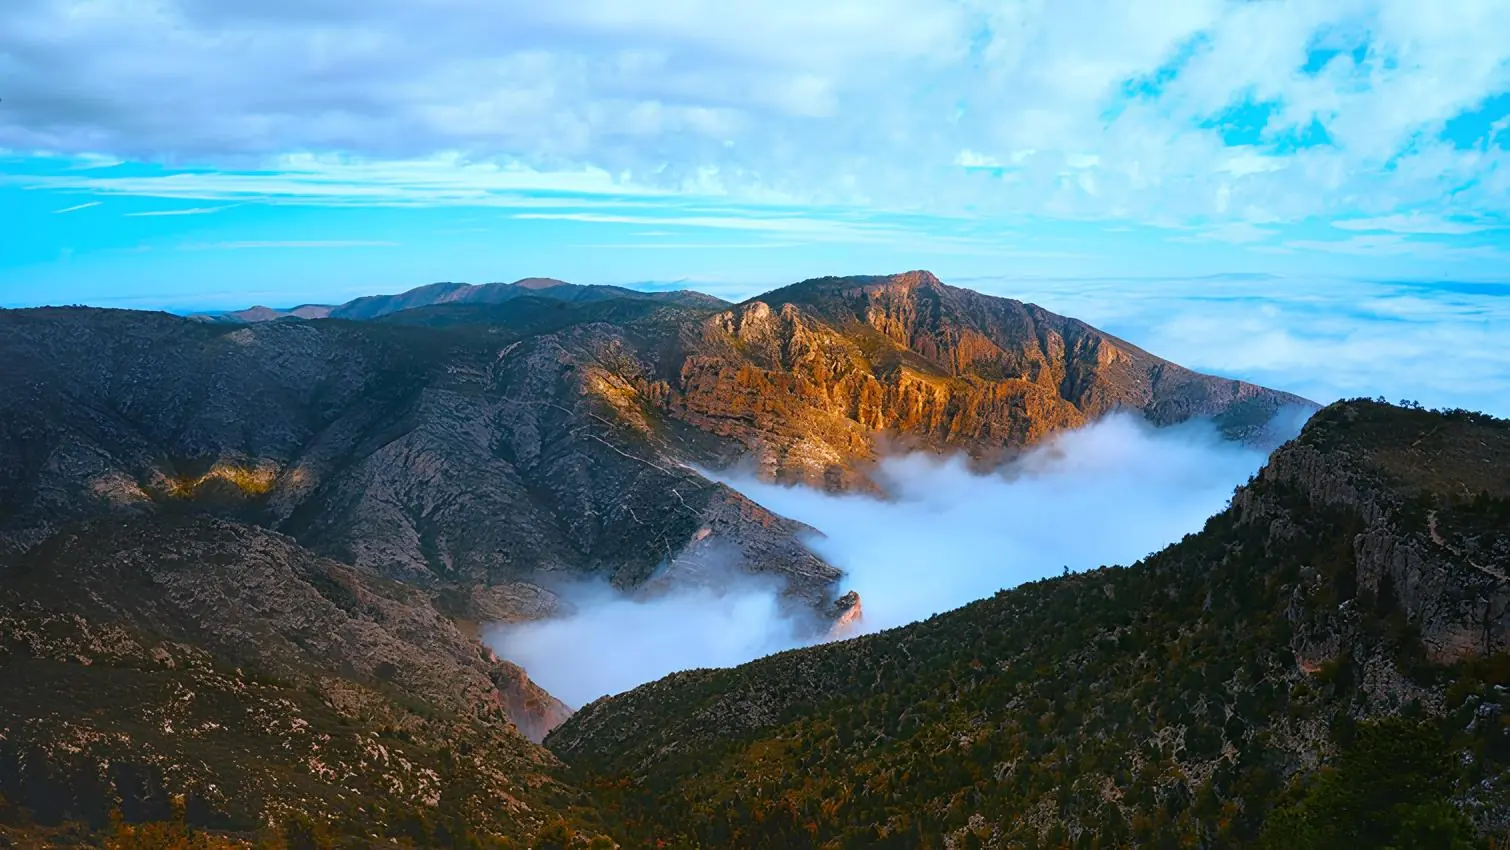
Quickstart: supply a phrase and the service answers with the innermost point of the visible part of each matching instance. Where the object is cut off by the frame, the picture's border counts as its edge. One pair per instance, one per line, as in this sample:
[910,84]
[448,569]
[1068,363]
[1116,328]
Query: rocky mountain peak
[539,283]
[807,376]
[917,279]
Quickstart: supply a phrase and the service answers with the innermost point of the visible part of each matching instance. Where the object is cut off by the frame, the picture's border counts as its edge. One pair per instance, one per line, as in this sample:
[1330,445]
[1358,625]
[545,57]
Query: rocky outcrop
[533,711]
[812,378]
[1421,549]
[849,616]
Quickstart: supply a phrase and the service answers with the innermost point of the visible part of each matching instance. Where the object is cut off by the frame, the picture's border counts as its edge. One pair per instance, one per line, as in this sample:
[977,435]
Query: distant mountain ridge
[375,306]
[260,313]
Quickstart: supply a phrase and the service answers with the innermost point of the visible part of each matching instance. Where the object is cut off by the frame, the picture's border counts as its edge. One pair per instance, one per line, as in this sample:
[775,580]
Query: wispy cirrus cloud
[688,246]
[286,243]
[1413,222]
[1235,233]
[76,207]
[1375,245]
[442,180]
[807,226]
[186,211]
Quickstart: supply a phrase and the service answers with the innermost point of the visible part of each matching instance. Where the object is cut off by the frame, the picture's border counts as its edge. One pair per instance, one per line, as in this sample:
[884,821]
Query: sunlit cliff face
[249,480]
[851,617]
[944,536]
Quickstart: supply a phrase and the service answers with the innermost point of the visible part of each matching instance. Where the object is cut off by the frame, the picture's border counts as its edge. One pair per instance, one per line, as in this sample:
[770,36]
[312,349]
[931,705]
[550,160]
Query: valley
[246,559]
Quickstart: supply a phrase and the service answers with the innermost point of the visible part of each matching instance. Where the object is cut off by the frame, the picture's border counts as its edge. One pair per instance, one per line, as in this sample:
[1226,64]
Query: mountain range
[373,306]
[244,560]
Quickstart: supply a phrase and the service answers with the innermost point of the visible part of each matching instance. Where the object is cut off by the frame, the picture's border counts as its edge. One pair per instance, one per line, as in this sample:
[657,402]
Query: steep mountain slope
[193,658]
[432,456]
[812,378]
[1351,607]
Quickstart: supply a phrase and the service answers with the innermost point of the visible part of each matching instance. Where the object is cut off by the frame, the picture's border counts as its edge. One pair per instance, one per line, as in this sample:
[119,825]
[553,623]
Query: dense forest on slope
[1349,610]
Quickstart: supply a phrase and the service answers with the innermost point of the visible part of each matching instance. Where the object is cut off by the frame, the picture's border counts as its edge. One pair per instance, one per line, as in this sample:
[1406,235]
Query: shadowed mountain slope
[226,666]
[428,455]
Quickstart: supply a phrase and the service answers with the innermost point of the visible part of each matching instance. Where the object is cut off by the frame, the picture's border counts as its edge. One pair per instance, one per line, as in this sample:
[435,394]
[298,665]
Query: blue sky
[191,154]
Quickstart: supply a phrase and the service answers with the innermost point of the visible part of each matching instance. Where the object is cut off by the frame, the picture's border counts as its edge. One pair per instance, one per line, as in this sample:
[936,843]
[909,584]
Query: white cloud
[76,207]
[186,211]
[1236,233]
[688,246]
[612,642]
[1397,245]
[294,243]
[1370,244]
[969,534]
[1411,223]
[975,534]
[971,159]
[841,102]
[808,227]
[1440,343]
[1245,163]
[445,179]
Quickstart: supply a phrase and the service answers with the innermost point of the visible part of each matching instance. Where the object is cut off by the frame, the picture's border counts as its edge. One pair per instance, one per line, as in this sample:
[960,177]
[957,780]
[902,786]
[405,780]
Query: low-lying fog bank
[1107,494]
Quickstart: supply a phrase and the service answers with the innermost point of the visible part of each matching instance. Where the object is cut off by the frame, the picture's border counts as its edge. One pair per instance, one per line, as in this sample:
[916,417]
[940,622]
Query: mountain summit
[811,378]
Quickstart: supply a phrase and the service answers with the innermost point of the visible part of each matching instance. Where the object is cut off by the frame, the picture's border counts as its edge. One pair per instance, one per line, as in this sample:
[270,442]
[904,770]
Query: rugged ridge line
[467,443]
[814,378]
